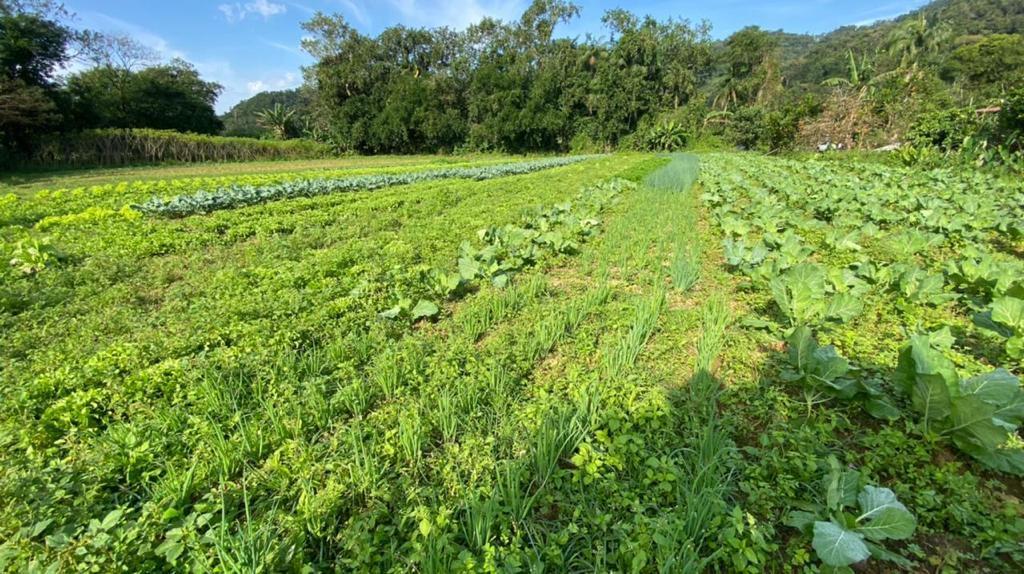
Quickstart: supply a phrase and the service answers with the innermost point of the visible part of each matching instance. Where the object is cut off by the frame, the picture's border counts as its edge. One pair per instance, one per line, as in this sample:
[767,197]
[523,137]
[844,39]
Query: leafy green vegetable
[803,295]
[823,375]
[978,414]
[1007,320]
[424,309]
[840,539]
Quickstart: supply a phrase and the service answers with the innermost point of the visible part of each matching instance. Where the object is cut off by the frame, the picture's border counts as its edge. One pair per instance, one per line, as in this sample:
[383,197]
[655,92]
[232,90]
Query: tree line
[517,86]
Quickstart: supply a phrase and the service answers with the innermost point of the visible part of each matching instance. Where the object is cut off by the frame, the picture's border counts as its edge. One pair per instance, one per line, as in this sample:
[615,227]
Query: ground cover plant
[631,363]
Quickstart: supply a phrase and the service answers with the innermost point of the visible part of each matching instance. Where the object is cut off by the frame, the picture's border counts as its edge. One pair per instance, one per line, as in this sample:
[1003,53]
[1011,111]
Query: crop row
[241,195]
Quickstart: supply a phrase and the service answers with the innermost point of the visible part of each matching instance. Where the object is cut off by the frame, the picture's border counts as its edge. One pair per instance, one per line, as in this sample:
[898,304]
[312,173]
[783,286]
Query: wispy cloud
[356,9]
[237,86]
[888,11]
[284,47]
[154,42]
[238,11]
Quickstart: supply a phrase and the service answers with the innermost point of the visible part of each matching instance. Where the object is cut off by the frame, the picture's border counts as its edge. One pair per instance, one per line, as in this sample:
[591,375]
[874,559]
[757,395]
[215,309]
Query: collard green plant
[805,296]
[979,414]
[853,522]
[511,248]
[1006,318]
[824,375]
[917,285]
[982,276]
[423,309]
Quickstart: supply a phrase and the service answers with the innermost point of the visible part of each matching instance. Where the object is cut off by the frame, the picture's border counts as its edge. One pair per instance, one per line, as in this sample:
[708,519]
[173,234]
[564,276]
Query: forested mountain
[938,27]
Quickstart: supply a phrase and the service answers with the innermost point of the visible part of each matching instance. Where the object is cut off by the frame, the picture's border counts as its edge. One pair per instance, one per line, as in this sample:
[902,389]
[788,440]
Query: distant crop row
[242,195]
[64,201]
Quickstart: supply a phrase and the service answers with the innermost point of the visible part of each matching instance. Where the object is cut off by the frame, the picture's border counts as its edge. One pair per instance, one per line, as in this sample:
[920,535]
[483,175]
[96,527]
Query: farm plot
[27,183]
[790,366]
[159,362]
[880,309]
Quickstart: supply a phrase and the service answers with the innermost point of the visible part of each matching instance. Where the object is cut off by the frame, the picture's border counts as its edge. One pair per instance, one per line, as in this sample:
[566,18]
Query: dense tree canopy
[170,96]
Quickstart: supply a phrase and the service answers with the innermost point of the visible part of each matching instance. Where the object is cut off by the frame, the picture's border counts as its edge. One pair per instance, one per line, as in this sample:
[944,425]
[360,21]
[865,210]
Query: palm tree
[276,119]
[915,40]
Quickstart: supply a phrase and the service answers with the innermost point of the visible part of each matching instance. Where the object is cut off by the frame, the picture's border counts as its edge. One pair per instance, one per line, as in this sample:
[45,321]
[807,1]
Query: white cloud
[286,81]
[237,12]
[457,14]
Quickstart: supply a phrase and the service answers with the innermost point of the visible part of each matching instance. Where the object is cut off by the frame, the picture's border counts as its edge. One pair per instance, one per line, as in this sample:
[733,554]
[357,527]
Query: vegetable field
[612,363]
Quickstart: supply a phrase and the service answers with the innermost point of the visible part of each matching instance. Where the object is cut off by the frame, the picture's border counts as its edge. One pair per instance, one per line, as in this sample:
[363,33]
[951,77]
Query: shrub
[945,129]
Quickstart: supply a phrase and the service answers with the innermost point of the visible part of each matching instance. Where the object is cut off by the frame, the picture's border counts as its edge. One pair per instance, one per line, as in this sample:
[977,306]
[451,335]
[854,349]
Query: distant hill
[241,120]
[827,56]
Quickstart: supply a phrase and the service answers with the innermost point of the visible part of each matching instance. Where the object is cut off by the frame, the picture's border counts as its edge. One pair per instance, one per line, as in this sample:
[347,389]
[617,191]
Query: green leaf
[877,551]
[469,268]
[1009,311]
[111,519]
[801,520]
[500,280]
[881,408]
[985,321]
[999,387]
[930,397]
[819,364]
[928,376]
[841,485]
[1008,460]
[845,307]
[800,293]
[883,516]
[1015,347]
[827,365]
[423,309]
[837,546]
[800,346]
[974,431]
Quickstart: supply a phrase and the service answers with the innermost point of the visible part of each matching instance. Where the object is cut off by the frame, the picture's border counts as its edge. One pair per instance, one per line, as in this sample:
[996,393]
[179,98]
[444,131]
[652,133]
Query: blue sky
[253,45]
